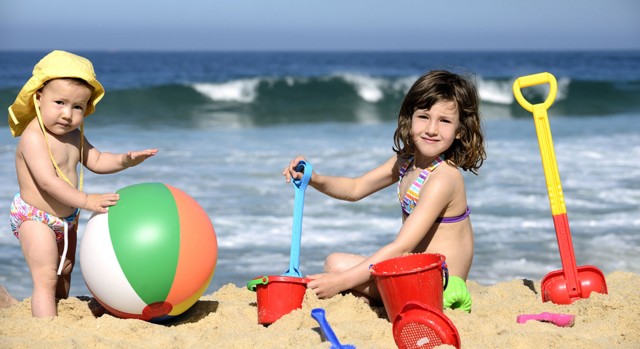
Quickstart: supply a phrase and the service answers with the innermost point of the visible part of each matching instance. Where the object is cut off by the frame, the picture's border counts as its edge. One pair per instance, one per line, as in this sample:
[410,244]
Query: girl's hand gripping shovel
[300,185]
[571,283]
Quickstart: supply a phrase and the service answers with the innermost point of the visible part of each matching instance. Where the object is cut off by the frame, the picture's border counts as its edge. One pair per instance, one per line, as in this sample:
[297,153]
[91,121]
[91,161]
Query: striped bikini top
[411,198]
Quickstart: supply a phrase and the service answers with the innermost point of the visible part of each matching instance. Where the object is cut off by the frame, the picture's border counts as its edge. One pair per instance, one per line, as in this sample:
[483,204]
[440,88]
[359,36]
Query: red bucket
[277,296]
[411,278]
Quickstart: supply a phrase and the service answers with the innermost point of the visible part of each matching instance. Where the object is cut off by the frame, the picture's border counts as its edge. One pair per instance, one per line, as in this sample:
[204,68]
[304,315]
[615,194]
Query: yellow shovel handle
[532,80]
[549,165]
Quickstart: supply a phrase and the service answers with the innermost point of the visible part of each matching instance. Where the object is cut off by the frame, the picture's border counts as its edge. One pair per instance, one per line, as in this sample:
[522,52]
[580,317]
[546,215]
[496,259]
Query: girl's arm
[437,193]
[105,162]
[349,189]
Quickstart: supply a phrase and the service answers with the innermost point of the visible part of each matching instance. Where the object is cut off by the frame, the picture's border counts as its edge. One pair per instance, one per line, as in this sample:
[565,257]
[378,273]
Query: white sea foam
[498,92]
[402,85]
[563,88]
[243,91]
[368,88]
[501,91]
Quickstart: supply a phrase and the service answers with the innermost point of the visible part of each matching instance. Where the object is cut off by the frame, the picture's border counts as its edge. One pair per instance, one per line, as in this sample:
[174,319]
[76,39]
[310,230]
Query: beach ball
[152,255]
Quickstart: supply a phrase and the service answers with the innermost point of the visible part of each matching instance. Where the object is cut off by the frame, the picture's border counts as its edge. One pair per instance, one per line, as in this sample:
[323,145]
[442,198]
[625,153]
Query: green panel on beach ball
[145,233]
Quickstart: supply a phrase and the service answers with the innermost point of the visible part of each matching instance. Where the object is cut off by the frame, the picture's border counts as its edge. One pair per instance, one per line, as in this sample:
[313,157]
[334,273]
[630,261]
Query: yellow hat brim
[57,64]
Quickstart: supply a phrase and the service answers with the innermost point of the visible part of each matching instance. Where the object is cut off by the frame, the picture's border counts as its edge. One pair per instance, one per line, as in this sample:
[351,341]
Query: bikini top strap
[46,141]
[435,163]
[422,177]
[405,166]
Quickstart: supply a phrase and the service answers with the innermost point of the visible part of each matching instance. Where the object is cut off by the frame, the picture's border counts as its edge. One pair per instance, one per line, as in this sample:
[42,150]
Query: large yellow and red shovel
[572,282]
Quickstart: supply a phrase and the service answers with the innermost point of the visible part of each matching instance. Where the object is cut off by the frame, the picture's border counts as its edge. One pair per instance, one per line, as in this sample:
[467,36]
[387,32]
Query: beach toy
[280,295]
[422,326]
[300,186]
[277,296]
[572,282]
[414,277]
[151,256]
[561,320]
[457,295]
[319,315]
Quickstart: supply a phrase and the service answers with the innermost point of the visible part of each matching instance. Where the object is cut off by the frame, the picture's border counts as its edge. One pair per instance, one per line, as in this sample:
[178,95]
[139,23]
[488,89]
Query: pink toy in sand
[561,320]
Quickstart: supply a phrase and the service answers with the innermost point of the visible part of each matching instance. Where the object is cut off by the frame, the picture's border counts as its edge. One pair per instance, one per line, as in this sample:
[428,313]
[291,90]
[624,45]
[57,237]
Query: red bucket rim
[280,278]
[387,264]
[269,279]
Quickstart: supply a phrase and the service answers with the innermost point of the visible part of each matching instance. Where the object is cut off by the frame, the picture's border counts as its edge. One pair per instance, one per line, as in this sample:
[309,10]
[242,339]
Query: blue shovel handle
[299,185]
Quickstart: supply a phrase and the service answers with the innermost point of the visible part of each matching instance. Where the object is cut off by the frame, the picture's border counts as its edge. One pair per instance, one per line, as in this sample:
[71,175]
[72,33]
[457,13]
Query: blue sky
[320,25]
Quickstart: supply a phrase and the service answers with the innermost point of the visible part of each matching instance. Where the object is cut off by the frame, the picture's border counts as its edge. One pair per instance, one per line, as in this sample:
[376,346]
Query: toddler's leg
[41,253]
[338,262]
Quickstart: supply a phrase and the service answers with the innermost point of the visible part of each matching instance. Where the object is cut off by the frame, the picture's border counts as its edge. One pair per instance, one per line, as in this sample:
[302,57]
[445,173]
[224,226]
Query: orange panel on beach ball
[198,248]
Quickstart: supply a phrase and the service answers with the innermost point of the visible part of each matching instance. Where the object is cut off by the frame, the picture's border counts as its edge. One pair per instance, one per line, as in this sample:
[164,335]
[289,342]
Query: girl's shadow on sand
[197,312]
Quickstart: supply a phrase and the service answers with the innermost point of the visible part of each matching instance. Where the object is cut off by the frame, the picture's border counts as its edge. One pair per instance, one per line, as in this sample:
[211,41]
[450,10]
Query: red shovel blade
[555,287]
[572,282]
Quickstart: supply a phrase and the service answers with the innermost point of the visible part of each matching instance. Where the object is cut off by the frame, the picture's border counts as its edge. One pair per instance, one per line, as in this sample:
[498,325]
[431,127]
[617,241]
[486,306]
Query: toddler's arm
[105,162]
[134,158]
[34,164]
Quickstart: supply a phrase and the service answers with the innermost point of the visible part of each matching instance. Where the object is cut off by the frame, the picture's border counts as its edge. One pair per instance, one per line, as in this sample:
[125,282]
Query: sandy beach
[228,319]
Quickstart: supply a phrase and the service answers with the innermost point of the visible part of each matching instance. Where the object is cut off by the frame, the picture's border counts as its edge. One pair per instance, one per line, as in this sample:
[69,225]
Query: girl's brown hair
[467,151]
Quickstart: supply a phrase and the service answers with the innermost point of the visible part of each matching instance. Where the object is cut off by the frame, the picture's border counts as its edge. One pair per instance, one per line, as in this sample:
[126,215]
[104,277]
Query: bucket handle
[445,275]
[251,285]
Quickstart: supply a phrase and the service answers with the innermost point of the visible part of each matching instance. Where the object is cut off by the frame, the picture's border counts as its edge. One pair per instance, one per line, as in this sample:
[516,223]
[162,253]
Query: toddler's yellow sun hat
[57,64]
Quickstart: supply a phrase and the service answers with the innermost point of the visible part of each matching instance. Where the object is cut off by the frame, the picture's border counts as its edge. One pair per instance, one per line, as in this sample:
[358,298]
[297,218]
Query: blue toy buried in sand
[319,315]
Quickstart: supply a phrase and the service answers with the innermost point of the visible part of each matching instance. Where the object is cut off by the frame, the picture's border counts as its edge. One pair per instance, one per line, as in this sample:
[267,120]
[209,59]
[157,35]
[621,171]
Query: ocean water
[226,125]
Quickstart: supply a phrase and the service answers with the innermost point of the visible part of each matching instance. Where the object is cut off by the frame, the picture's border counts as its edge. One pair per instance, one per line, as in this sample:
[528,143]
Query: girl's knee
[331,263]
[338,262]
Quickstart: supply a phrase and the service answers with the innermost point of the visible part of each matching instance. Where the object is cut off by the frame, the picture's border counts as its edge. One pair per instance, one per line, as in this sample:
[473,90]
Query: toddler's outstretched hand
[100,202]
[290,172]
[134,158]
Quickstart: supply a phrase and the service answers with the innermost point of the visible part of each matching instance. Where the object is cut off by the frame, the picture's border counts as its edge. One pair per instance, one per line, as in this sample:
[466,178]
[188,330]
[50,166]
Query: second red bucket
[277,296]
[415,277]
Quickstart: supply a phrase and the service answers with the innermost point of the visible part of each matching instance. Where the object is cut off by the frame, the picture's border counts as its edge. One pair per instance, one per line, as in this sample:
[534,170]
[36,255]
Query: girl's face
[434,130]
[63,104]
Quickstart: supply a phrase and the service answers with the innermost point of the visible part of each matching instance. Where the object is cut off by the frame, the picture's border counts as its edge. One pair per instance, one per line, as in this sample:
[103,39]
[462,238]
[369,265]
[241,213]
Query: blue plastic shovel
[300,185]
[319,315]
